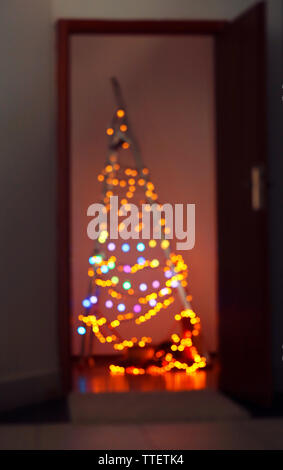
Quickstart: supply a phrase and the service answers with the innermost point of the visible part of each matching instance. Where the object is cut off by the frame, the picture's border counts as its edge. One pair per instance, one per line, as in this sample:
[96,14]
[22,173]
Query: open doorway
[168,87]
[174,112]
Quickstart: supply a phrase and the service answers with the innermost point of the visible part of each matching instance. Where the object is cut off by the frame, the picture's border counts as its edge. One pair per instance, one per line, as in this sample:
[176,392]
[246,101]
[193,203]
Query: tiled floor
[243,434]
[151,407]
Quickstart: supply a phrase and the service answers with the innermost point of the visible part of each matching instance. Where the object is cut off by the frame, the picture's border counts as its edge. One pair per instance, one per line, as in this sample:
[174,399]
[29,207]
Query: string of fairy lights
[152,297]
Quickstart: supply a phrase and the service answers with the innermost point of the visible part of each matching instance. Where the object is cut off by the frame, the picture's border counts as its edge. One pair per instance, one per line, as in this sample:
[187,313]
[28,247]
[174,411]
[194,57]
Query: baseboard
[23,391]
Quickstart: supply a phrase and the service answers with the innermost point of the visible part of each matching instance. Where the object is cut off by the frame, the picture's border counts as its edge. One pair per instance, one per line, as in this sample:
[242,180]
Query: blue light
[93,299]
[142,286]
[86,303]
[164,291]
[141,260]
[96,259]
[140,247]
[121,307]
[125,247]
[82,384]
[104,269]
[81,330]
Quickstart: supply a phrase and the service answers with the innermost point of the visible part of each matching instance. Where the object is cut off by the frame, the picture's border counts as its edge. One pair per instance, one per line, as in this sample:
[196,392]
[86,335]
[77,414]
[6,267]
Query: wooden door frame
[65,30]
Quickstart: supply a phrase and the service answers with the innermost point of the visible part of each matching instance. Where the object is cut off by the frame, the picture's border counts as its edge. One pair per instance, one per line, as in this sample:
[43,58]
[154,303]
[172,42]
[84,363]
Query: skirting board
[29,390]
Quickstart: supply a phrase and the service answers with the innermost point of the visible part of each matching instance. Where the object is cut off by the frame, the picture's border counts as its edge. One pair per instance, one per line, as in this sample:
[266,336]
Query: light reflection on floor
[97,379]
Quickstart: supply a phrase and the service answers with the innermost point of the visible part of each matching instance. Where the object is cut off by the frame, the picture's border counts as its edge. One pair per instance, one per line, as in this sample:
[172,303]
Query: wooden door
[244,313]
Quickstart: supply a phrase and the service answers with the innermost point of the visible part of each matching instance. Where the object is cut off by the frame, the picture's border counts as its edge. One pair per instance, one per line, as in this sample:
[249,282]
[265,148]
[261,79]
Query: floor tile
[235,435]
[268,431]
[13,437]
[85,437]
[199,436]
[140,407]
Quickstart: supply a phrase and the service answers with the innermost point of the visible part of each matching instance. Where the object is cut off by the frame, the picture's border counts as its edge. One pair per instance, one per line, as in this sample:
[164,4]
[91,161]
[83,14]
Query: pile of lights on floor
[179,353]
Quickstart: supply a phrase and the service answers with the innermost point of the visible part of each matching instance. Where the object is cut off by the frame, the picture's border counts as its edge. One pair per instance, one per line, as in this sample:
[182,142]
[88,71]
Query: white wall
[173,9]
[28,333]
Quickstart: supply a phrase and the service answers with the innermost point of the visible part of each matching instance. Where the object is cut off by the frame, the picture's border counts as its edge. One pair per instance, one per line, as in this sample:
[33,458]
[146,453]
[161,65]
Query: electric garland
[130,293]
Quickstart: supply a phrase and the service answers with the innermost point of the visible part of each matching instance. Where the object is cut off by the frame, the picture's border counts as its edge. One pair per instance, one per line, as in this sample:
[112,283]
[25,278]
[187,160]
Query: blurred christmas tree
[134,280]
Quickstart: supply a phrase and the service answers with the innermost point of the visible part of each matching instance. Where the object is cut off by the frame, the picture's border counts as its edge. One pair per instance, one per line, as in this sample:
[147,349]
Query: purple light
[155,284]
[137,308]
[127,268]
[111,246]
[109,304]
[93,299]
[141,260]
[168,274]
[152,302]
[174,284]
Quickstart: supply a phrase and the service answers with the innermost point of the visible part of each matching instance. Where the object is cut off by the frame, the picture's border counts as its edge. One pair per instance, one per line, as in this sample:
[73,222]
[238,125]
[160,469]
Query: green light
[111,265]
[127,285]
[115,279]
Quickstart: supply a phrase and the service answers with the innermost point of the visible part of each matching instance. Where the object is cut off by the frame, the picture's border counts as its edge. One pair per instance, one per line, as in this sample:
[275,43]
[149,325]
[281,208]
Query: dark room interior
[142,229]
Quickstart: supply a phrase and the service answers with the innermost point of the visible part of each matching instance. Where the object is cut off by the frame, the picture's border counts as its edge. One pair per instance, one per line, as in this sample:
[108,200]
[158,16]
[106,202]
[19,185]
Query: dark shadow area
[54,411]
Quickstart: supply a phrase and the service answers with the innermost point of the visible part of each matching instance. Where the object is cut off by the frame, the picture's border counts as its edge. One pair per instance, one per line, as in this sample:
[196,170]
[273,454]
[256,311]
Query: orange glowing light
[120,113]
